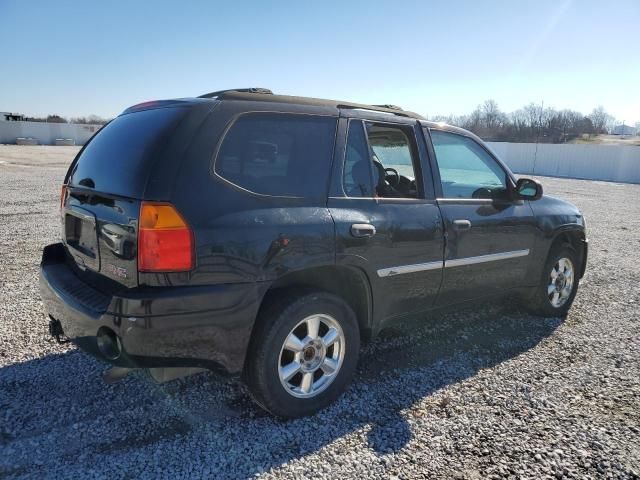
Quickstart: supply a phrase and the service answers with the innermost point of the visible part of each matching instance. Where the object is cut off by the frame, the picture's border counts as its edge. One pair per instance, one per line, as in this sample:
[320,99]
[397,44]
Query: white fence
[46,133]
[618,163]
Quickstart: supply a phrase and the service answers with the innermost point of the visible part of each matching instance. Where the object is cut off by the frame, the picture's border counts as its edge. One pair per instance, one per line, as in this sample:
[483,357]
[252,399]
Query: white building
[624,130]
[11,117]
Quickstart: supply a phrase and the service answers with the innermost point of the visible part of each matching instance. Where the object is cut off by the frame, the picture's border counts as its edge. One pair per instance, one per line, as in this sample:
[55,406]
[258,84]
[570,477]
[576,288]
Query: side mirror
[528,189]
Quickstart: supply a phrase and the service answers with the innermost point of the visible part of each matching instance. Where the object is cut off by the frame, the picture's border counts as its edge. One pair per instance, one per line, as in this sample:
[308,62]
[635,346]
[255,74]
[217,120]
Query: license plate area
[81,238]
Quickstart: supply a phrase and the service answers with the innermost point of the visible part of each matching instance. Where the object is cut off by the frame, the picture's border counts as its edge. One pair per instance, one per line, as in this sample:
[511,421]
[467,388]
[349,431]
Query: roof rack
[264,91]
[389,106]
[266,95]
[379,109]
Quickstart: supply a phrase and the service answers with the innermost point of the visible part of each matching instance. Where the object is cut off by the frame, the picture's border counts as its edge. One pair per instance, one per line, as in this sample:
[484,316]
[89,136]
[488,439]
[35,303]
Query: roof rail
[389,106]
[266,95]
[379,109]
[219,93]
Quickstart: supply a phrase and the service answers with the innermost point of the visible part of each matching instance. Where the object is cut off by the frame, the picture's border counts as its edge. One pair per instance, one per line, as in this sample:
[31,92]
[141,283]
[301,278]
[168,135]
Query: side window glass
[466,169]
[393,161]
[357,164]
[278,154]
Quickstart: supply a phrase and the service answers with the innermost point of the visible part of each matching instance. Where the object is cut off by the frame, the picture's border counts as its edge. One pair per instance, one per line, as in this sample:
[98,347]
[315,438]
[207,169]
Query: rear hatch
[105,186]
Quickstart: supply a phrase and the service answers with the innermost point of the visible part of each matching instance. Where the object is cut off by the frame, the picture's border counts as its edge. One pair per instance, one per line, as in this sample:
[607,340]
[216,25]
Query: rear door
[387,221]
[489,236]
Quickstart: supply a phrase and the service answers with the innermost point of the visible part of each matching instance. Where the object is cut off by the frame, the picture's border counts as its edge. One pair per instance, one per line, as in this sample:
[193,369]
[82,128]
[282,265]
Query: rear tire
[303,354]
[558,286]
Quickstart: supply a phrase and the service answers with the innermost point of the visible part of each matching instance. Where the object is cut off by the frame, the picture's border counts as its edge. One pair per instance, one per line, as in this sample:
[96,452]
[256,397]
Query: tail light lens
[165,241]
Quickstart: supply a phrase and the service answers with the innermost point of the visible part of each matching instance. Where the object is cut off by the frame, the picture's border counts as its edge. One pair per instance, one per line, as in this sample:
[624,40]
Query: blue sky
[83,57]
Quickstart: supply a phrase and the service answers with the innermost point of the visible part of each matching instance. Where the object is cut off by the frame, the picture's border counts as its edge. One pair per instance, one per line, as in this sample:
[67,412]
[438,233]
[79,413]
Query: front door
[489,236]
[387,222]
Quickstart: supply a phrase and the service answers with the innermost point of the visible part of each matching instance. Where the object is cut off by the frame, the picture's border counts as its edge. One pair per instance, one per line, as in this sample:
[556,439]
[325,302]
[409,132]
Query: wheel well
[575,238]
[350,284]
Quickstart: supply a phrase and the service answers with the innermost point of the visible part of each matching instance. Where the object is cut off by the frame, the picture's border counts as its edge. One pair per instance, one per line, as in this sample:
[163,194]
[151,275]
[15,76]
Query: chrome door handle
[461,224]
[361,230]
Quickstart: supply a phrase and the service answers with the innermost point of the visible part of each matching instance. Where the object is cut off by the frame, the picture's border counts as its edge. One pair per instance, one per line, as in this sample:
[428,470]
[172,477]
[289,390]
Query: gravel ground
[486,392]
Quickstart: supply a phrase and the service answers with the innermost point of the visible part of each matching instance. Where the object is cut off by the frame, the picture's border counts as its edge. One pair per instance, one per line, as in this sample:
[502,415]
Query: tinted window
[117,160]
[466,169]
[357,163]
[278,154]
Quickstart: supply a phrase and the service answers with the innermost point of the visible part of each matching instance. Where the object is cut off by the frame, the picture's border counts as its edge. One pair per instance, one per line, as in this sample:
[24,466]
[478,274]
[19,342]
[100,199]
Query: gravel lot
[486,392]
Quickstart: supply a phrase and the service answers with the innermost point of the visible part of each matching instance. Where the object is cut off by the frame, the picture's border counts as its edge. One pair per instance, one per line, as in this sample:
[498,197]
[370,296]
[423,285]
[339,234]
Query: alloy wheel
[561,281]
[311,356]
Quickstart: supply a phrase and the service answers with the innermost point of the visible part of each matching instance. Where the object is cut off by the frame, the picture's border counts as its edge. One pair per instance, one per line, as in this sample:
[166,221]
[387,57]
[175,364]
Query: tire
[274,354]
[546,302]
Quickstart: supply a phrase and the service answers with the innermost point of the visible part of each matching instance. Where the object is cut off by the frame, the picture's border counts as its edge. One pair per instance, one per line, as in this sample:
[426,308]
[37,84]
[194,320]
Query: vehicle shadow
[57,412]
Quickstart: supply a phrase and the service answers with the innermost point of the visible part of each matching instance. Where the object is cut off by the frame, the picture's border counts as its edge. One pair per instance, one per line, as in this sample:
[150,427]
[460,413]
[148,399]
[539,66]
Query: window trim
[509,179]
[415,160]
[232,122]
[344,159]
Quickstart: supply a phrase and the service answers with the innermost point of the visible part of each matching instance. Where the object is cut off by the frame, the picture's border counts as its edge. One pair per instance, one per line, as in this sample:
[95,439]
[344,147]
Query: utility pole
[535,155]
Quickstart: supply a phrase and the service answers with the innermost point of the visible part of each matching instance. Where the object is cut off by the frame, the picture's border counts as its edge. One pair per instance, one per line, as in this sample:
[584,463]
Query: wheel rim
[311,356]
[560,282]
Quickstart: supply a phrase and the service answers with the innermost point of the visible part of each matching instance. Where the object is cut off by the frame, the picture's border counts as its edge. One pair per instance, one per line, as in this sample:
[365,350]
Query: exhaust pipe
[110,346]
[109,343]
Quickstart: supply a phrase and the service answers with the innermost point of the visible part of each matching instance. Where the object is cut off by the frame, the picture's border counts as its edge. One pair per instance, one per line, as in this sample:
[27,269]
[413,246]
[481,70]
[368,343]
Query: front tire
[303,354]
[554,295]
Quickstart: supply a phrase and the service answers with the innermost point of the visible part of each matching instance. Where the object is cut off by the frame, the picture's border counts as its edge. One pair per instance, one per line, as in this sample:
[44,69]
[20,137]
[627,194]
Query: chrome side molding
[492,257]
[417,267]
[456,262]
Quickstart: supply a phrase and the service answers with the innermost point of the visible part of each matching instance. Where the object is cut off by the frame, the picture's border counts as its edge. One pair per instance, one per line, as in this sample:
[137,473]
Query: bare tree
[491,114]
[90,120]
[611,124]
[568,122]
[56,119]
[441,119]
[534,114]
[532,123]
[455,120]
[519,120]
[600,118]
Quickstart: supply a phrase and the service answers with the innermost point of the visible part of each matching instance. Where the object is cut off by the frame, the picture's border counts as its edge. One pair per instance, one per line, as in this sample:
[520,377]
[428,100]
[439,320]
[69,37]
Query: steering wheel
[395,173]
[384,188]
[482,192]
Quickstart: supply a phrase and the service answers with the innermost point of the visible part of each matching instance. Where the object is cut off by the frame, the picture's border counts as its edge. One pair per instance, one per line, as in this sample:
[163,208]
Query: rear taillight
[165,241]
[63,195]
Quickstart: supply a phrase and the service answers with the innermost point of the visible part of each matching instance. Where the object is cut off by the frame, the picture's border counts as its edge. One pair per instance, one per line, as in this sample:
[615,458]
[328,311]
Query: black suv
[268,235]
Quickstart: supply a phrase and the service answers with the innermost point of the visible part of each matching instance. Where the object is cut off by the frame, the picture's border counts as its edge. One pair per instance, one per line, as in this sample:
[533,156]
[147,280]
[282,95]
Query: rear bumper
[203,326]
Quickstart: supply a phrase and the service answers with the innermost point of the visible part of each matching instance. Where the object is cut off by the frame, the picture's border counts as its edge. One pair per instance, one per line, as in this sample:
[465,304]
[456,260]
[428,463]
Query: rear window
[118,159]
[278,154]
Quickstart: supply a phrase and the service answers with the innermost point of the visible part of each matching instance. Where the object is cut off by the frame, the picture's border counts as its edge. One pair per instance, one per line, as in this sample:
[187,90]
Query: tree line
[532,123]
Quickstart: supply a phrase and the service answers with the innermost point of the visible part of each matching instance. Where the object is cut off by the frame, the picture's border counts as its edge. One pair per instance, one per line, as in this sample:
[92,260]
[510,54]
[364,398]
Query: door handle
[361,230]
[461,224]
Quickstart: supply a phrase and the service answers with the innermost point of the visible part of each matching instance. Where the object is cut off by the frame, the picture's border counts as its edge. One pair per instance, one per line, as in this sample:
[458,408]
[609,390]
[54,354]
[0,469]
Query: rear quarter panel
[240,236]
